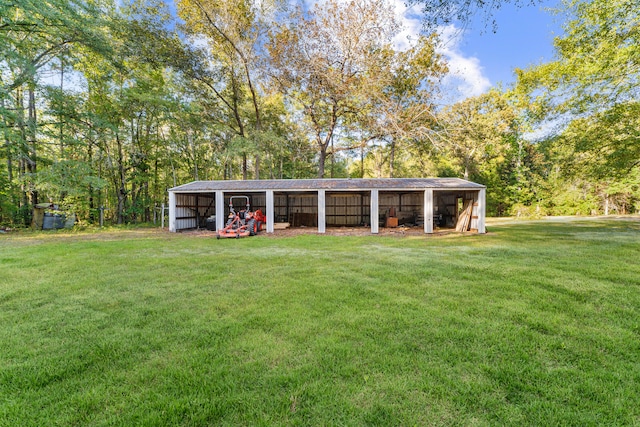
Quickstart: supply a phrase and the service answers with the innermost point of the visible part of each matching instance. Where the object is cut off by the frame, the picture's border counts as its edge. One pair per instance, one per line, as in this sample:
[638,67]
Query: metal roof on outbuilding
[329,184]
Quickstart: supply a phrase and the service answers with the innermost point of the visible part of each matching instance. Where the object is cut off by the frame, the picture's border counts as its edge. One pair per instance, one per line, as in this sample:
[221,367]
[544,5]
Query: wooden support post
[288,216]
[220,218]
[428,210]
[172,211]
[270,211]
[373,212]
[322,213]
[482,195]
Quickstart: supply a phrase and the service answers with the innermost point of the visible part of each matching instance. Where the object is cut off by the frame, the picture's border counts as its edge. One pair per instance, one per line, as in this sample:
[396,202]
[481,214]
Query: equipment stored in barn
[243,223]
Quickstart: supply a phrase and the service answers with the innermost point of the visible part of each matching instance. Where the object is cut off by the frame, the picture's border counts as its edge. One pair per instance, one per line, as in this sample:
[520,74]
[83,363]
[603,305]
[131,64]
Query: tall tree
[321,60]
[595,81]
[398,102]
[477,130]
[33,34]
[234,32]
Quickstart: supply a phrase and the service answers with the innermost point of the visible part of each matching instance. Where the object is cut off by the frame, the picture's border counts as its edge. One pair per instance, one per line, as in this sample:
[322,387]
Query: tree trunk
[392,158]
[61,114]
[519,173]
[257,166]
[122,190]
[333,159]
[22,152]
[133,215]
[362,161]
[7,143]
[244,166]
[256,108]
[192,144]
[100,202]
[322,160]
[147,208]
[32,126]
[90,161]
[156,190]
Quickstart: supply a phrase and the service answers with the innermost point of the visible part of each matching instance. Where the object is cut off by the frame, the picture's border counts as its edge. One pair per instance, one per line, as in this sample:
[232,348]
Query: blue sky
[524,36]
[480,57]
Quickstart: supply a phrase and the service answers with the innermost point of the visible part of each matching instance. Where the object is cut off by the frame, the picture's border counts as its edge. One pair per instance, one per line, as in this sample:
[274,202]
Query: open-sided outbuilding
[322,203]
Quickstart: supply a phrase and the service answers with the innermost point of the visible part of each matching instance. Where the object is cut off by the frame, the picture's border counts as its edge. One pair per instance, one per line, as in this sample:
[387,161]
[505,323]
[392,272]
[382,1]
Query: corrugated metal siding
[280,210]
[409,202]
[191,208]
[185,217]
[347,209]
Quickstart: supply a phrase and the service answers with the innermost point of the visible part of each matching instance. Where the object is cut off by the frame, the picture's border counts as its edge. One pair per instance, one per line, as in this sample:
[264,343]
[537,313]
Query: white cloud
[411,25]
[465,77]
[465,72]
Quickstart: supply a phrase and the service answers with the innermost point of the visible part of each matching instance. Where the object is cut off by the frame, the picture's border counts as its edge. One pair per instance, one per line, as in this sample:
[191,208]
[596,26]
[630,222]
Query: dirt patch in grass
[336,231]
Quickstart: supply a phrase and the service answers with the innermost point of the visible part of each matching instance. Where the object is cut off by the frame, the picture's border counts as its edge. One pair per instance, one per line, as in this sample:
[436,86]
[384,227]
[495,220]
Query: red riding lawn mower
[243,223]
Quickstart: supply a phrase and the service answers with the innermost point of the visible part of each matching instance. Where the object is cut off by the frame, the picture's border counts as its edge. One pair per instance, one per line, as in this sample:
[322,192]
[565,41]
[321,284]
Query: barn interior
[342,209]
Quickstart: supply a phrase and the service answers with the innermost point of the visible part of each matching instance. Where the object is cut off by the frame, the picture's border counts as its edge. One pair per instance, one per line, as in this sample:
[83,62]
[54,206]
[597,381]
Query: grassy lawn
[535,323]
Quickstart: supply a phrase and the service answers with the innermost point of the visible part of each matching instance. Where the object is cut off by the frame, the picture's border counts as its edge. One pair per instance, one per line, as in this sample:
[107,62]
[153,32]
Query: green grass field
[535,323]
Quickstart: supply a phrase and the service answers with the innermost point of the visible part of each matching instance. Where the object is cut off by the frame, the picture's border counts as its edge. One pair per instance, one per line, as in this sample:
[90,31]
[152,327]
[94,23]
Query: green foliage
[577,198]
[535,324]
[34,32]
[8,207]
[598,61]
[607,142]
[623,195]
[478,130]
[110,104]
[595,78]
[69,177]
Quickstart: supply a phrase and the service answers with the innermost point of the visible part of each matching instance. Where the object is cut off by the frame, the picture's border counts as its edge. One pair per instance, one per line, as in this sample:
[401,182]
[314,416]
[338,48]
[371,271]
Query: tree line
[104,104]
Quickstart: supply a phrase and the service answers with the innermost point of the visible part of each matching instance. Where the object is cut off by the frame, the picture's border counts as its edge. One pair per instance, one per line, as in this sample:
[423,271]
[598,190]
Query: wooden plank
[461,220]
[465,217]
[468,218]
